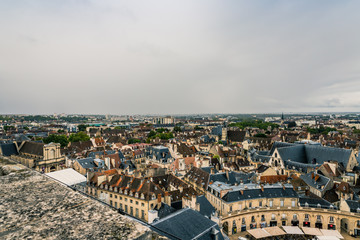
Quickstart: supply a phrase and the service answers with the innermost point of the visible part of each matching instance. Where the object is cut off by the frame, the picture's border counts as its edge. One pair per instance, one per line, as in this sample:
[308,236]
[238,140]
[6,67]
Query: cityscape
[209,176]
[181,120]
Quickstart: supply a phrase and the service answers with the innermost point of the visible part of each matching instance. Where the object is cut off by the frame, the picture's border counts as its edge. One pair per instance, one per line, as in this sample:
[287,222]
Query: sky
[179,57]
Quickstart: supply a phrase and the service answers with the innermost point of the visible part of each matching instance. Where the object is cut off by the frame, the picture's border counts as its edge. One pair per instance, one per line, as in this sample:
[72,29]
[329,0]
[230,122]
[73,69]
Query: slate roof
[164,210]
[206,208]
[236,136]
[266,192]
[86,163]
[313,155]
[9,149]
[353,205]
[320,181]
[187,224]
[314,202]
[33,148]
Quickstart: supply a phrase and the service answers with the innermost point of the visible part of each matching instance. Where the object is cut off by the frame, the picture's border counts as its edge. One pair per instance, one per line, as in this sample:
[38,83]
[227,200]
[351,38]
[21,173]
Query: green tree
[260,135]
[79,137]
[133,140]
[177,129]
[82,127]
[62,139]
[216,156]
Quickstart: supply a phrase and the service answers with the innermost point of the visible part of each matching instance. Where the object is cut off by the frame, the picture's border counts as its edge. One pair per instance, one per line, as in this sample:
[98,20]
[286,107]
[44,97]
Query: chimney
[159,201]
[167,198]
[227,174]
[262,188]
[312,175]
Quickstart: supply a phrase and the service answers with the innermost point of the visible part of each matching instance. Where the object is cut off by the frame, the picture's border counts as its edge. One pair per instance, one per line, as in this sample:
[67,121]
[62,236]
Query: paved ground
[35,207]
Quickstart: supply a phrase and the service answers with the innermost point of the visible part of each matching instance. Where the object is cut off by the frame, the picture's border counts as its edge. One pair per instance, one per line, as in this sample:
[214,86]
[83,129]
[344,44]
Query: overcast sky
[175,57]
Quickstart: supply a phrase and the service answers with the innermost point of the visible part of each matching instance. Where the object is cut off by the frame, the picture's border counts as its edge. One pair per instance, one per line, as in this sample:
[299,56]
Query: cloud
[163,57]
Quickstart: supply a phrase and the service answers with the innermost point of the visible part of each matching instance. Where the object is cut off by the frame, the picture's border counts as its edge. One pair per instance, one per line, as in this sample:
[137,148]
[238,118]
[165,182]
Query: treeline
[254,123]
[64,140]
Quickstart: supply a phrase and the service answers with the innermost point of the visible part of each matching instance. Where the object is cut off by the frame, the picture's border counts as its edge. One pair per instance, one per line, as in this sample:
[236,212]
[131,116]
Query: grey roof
[221,177]
[320,184]
[266,192]
[206,208]
[315,203]
[9,149]
[164,210]
[279,145]
[186,224]
[353,205]
[87,163]
[313,154]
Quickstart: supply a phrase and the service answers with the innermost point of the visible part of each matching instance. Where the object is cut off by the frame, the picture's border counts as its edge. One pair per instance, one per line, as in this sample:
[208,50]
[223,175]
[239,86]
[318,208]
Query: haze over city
[169,57]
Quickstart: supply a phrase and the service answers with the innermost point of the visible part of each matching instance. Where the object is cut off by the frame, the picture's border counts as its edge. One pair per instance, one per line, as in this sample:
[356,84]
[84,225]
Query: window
[131,211]
[306,216]
[293,203]
[125,199]
[137,203]
[137,212]
[331,219]
[120,198]
[126,208]
[250,204]
[121,206]
[260,203]
[110,195]
[273,216]
[283,216]
[116,204]
[281,202]
[142,204]
[142,214]
[318,218]
[294,217]
[230,208]
[243,221]
[115,196]
[111,203]
[262,218]
[131,200]
[152,205]
[252,219]
[271,203]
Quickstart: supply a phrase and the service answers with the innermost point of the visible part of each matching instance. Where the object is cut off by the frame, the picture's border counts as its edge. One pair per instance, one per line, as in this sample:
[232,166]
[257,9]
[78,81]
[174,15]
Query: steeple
[282,116]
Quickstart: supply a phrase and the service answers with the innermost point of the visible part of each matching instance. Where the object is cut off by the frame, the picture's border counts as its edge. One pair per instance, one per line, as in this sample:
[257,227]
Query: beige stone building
[41,157]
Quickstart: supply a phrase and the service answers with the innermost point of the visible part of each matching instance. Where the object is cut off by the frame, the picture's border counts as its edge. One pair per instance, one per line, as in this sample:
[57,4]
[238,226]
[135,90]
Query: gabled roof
[33,148]
[266,192]
[316,181]
[236,136]
[353,205]
[206,208]
[187,224]
[8,149]
[86,163]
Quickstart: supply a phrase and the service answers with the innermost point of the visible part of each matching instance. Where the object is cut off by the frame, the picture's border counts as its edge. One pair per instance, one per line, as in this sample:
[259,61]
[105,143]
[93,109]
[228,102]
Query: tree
[62,139]
[79,137]
[151,134]
[198,128]
[82,127]
[61,131]
[260,135]
[177,129]
[216,156]
[133,140]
